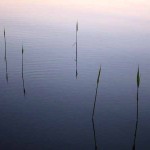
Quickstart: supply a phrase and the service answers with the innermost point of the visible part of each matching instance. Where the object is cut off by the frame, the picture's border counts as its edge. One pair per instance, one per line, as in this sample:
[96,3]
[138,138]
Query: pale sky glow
[123,7]
[108,11]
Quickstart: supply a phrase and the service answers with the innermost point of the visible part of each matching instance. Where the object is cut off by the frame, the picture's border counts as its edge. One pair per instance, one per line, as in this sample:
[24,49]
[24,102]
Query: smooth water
[47,97]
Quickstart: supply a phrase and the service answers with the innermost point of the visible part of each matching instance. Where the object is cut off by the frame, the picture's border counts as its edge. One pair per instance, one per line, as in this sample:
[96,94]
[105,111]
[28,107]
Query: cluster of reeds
[5,58]
[137,108]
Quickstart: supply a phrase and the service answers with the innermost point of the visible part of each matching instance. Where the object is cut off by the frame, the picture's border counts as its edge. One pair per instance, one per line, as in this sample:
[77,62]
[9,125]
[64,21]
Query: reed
[24,91]
[5,57]
[4,33]
[77,28]
[98,78]
[138,78]
[93,123]
[5,44]
[137,109]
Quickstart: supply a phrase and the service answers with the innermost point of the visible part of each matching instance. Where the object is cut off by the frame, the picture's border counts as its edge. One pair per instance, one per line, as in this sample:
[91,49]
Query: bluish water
[45,105]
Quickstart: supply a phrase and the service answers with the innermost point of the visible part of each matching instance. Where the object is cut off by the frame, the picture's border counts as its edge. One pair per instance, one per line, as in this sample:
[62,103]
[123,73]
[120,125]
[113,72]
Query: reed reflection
[93,123]
[98,77]
[94,132]
[137,110]
[5,57]
[77,49]
[24,90]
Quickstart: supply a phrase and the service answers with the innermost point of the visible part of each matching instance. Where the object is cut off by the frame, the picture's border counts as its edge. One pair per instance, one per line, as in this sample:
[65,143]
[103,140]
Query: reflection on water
[5,57]
[24,91]
[112,33]
[77,49]
[137,110]
[94,131]
[137,119]
[98,77]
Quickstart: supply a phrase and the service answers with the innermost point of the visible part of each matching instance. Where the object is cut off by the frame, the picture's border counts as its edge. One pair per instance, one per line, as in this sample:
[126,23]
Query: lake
[68,74]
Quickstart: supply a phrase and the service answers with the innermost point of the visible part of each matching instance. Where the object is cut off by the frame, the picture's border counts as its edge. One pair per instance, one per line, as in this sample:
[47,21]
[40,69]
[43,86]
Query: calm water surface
[47,97]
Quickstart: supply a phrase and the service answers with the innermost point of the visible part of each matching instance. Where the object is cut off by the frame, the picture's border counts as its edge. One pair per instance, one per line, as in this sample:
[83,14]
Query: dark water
[47,97]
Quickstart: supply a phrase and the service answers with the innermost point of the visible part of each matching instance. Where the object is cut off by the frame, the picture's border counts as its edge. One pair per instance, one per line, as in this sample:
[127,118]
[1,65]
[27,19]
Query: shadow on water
[5,57]
[24,90]
[76,49]
[93,123]
[137,110]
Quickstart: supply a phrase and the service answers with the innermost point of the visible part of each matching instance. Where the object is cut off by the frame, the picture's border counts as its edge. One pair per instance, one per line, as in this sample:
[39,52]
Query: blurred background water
[55,112]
